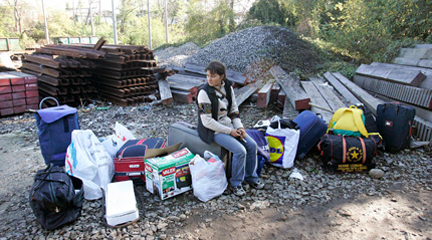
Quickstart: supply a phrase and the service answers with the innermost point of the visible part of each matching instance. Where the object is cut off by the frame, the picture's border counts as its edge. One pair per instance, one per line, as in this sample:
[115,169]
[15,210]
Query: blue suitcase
[312,128]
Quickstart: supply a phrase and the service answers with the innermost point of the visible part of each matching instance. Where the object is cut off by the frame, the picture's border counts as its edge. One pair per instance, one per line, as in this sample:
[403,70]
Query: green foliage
[206,24]
[268,11]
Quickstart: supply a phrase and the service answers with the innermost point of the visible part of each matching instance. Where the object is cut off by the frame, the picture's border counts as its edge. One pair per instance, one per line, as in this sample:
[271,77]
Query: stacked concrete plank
[126,75]
[63,72]
[18,92]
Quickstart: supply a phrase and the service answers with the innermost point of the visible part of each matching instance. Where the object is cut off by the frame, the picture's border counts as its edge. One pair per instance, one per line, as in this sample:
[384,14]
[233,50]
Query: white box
[121,206]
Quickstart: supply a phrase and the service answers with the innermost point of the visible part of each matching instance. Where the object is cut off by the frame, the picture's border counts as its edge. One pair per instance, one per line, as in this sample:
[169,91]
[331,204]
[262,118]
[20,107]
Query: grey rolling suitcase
[187,134]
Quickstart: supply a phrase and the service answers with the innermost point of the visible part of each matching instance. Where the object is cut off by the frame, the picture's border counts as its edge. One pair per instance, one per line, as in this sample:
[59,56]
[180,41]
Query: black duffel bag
[347,154]
[56,198]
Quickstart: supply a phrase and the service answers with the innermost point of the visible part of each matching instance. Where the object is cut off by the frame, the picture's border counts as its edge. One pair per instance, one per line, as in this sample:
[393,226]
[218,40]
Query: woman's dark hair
[217,67]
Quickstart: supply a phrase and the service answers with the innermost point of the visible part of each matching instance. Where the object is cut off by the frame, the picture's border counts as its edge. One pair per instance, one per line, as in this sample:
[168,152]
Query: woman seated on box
[219,121]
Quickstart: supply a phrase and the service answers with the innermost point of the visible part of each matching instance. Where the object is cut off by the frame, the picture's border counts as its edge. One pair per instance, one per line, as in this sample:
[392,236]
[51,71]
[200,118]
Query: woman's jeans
[244,160]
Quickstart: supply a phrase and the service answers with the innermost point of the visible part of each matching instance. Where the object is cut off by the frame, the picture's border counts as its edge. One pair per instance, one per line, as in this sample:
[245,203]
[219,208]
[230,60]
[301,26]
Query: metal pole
[149,25]
[166,22]
[46,25]
[114,23]
[91,18]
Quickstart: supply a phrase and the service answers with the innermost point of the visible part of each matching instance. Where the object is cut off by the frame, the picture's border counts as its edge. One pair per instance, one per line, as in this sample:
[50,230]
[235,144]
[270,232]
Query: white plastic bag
[208,177]
[114,142]
[123,133]
[283,144]
[88,160]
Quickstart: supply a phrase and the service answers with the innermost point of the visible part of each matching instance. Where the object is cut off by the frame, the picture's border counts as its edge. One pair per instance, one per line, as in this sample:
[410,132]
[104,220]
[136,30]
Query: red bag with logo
[347,154]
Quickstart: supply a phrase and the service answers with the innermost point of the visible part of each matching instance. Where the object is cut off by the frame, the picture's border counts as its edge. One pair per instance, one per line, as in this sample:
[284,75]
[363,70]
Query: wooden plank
[274,93]
[367,99]
[317,99]
[330,97]
[427,63]
[423,46]
[397,75]
[195,80]
[406,61]
[281,99]
[165,91]
[182,96]
[233,76]
[427,82]
[298,97]
[246,91]
[264,94]
[288,110]
[340,88]
[415,53]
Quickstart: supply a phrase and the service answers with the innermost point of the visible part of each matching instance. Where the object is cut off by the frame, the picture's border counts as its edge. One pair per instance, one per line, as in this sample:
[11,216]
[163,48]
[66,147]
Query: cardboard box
[169,176]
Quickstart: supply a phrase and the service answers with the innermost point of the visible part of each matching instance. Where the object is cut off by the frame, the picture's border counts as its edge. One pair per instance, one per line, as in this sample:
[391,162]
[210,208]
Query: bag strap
[363,149]
[359,122]
[343,150]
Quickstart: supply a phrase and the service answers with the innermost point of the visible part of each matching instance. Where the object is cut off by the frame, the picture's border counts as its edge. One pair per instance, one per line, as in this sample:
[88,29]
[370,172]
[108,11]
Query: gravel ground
[395,205]
[408,172]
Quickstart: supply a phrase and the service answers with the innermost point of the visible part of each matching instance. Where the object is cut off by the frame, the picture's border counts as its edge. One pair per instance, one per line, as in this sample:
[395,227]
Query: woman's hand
[242,132]
[235,133]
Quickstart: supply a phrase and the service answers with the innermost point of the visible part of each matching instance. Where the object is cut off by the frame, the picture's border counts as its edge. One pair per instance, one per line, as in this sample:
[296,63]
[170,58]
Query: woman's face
[214,79]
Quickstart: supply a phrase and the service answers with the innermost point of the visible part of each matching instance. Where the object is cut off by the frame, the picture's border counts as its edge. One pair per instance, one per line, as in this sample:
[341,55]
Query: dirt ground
[401,214]
[396,216]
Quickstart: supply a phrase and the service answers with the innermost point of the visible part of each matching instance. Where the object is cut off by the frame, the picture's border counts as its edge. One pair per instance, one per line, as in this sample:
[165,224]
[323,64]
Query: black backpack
[56,198]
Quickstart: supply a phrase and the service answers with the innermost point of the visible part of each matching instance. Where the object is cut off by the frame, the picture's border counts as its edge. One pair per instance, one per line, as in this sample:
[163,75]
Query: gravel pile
[409,171]
[173,56]
[258,45]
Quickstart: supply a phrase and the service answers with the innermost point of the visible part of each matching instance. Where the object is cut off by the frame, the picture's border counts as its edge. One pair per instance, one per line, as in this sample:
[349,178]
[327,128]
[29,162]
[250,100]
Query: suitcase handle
[129,147]
[46,98]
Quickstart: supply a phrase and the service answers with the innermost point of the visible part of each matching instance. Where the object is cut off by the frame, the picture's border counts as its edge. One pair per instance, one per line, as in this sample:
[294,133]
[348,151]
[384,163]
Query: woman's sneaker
[238,191]
[258,184]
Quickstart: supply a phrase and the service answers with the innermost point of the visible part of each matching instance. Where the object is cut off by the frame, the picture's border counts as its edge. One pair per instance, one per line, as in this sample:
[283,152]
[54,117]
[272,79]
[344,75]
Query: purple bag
[55,125]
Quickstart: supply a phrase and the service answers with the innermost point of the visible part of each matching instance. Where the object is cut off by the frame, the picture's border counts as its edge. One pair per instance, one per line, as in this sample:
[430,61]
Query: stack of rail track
[126,75]
[63,72]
